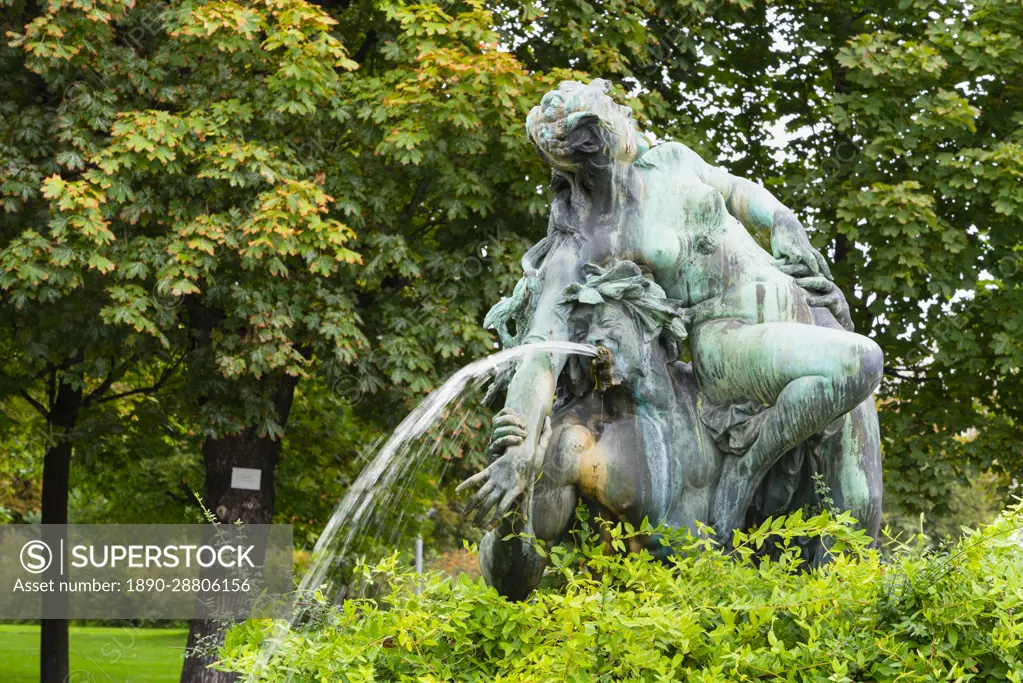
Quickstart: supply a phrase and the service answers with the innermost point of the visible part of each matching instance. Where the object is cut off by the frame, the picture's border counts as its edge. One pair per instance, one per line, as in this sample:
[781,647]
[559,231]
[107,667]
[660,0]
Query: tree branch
[188,499]
[35,404]
[425,228]
[167,373]
[112,376]
[417,199]
[368,44]
[894,372]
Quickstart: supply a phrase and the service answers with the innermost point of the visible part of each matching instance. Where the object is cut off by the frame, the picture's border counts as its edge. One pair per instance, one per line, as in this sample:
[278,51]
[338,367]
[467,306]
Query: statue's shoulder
[670,156]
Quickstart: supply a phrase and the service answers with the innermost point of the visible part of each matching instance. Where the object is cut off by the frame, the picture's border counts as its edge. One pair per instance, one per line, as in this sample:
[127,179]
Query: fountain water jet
[396,463]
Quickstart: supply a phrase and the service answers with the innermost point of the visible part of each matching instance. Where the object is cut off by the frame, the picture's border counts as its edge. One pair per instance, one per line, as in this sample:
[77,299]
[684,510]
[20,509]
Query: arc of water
[386,467]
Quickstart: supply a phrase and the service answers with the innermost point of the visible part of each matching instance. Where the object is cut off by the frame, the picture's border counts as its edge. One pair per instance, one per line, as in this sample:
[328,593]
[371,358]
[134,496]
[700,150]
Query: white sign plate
[245,478]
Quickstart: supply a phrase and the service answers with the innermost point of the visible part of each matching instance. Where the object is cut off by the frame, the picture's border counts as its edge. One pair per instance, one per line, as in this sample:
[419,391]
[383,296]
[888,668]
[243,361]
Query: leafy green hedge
[954,614]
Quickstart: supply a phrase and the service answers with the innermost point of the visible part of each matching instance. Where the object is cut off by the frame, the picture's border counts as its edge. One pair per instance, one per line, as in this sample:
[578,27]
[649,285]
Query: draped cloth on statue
[734,428]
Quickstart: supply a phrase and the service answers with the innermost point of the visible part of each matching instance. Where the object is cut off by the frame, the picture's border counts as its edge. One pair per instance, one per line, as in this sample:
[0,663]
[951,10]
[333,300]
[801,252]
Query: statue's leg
[513,566]
[851,463]
[557,490]
[808,376]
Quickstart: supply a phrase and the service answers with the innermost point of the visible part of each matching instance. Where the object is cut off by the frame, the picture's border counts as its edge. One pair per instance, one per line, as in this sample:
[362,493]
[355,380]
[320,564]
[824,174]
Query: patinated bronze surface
[649,250]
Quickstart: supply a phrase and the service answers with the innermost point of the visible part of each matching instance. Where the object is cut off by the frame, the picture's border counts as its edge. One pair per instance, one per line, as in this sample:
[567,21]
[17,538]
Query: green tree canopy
[208,205]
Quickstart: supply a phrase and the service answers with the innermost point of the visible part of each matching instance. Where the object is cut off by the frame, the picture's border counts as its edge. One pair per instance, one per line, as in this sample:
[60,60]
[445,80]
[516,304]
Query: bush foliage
[908,615]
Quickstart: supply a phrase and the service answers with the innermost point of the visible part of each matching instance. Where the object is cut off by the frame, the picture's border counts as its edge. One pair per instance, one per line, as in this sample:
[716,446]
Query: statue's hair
[625,283]
[578,128]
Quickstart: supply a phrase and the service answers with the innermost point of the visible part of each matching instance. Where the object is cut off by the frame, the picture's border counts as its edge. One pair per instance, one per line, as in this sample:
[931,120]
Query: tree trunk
[53,645]
[221,456]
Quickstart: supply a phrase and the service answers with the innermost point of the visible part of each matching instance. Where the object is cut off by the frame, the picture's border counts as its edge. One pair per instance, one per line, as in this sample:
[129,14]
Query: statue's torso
[651,462]
[700,254]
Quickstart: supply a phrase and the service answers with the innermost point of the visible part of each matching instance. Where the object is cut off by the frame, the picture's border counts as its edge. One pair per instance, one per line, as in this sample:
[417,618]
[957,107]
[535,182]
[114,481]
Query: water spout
[602,368]
[393,466]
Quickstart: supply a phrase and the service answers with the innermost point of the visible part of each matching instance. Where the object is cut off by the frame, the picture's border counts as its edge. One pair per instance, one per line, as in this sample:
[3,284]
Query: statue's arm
[530,396]
[757,209]
[531,390]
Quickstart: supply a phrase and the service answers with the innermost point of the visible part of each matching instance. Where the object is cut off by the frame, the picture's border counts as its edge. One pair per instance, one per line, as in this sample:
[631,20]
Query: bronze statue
[648,249]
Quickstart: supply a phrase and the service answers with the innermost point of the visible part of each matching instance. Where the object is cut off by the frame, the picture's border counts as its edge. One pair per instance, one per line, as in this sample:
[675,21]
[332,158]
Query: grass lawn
[98,655]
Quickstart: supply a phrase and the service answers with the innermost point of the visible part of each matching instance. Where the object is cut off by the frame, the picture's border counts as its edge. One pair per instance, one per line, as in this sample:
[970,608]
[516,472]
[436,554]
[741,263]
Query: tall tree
[201,173]
[911,177]
[62,365]
[59,358]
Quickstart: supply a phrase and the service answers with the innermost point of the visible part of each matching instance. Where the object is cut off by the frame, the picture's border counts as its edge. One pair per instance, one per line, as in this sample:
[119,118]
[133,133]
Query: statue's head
[578,125]
[619,308]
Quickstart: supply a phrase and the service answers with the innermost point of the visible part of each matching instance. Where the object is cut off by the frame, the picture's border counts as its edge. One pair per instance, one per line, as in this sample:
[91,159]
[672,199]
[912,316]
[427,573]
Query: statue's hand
[509,431]
[790,244]
[511,470]
[826,293]
[828,296]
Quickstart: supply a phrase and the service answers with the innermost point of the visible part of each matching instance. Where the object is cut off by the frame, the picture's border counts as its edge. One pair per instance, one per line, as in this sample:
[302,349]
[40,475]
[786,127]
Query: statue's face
[612,326]
[555,126]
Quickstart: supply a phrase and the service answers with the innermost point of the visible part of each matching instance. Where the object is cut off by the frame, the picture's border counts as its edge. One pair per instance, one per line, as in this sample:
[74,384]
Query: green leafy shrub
[953,614]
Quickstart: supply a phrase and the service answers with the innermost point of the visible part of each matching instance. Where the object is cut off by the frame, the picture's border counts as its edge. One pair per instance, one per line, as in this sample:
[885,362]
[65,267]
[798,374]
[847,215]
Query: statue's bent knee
[863,369]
